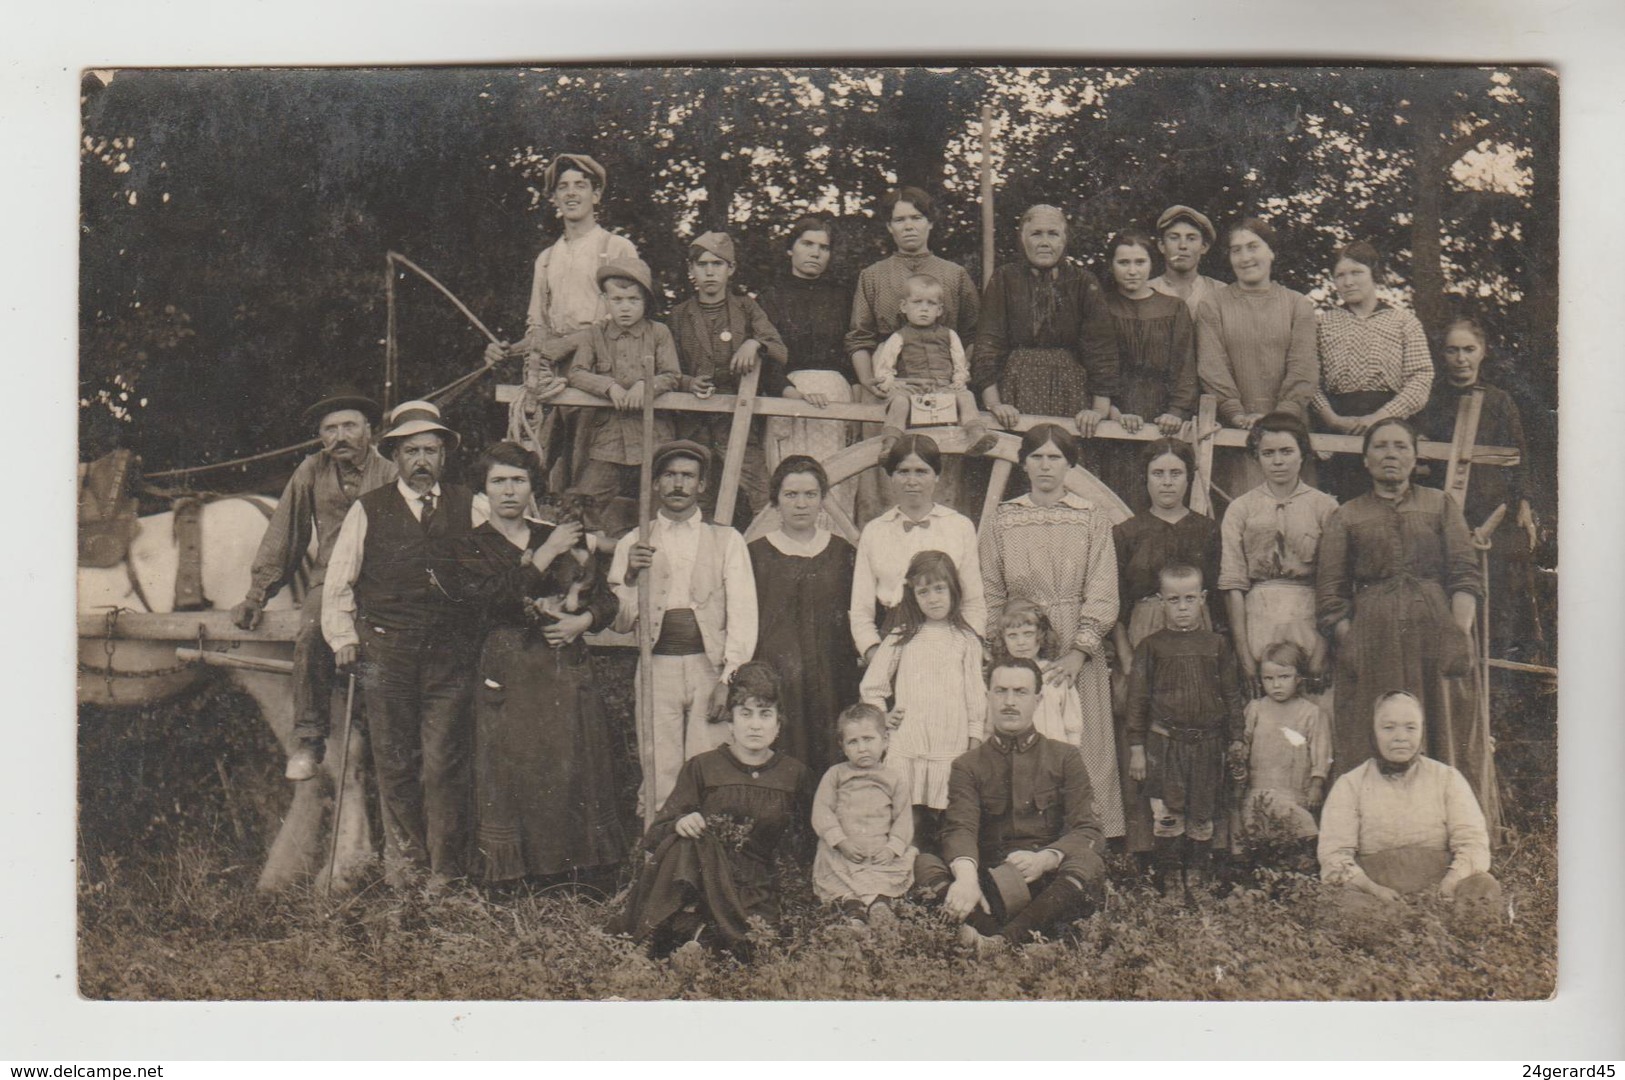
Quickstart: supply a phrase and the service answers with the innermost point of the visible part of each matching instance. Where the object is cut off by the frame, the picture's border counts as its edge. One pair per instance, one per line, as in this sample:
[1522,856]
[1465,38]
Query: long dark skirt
[1403,638]
[544,780]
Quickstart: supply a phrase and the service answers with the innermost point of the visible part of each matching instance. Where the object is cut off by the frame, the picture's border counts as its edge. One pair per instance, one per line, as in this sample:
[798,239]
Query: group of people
[972,716]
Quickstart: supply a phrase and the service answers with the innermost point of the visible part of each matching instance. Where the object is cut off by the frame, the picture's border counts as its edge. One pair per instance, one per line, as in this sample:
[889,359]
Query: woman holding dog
[544,781]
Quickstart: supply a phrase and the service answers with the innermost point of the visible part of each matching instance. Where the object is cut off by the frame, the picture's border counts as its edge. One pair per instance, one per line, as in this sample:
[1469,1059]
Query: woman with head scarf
[1045,344]
[1397,591]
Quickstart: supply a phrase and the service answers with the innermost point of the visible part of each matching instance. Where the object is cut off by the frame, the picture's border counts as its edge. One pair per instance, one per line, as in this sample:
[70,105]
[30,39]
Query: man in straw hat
[316,499]
[704,609]
[1184,236]
[1020,836]
[384,607]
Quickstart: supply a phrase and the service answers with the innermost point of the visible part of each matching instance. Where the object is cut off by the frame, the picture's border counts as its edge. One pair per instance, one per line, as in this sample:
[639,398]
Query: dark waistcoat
[403,564]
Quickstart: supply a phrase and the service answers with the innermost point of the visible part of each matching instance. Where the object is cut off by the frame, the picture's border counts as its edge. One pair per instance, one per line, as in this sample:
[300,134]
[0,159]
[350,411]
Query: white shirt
[884,550]
[338,591]
[564,290]
[680,540]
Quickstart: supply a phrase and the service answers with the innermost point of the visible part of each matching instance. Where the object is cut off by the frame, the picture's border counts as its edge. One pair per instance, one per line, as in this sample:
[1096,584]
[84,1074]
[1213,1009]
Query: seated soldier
[1020,825]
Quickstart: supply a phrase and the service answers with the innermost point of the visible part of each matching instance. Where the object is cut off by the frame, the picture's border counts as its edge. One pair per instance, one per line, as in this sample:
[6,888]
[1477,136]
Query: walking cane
[344,773]
[1481,541]
[646,645]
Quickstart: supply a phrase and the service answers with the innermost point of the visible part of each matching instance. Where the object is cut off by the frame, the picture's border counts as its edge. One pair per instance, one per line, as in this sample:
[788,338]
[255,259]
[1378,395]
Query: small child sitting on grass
[865,823]
[1289,754]
[925,357]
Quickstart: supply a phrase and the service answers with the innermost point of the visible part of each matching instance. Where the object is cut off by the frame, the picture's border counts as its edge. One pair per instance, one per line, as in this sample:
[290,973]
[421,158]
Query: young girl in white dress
[929,666]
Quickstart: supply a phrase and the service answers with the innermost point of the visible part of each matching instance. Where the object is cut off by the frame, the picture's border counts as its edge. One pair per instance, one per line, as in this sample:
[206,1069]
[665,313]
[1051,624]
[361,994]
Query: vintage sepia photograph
[821,533]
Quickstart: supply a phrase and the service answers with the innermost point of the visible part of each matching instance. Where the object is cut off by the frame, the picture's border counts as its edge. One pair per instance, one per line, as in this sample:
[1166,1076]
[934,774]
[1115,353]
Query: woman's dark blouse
[1499,424]
[770,802]
[1156,355]
[811,316]
[489,573]
[1146,543]
[1011,319]
[1421,536]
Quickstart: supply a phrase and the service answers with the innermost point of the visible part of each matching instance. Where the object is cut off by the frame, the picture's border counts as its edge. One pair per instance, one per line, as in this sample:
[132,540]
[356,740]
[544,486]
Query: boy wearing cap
[721,336]
[1184,236]
[317,498]
[564,297]
[610,364]
[704,610]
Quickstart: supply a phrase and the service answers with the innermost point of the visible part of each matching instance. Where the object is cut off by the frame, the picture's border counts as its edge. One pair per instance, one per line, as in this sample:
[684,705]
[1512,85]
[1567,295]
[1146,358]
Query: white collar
[782,541]
[412,496]
[937,510]
[677,523]
[1068,498]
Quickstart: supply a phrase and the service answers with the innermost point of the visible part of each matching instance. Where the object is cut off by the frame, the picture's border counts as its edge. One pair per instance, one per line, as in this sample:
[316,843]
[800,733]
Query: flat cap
[681,448]
[633,269]
[563,162]
[1195,217]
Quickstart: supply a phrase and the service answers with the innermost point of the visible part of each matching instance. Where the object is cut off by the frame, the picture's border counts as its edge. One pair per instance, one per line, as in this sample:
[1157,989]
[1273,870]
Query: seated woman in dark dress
[713,845]
[544,782]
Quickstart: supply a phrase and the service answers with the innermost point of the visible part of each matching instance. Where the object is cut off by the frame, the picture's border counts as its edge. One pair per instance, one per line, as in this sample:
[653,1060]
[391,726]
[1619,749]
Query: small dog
[576,574]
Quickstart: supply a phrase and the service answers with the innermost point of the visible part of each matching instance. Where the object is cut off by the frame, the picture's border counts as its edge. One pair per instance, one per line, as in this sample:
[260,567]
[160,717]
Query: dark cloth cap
[684,448]
[633,269]
[1014,896]
[565,162]
[1195,217]
[344,397]
[719,244]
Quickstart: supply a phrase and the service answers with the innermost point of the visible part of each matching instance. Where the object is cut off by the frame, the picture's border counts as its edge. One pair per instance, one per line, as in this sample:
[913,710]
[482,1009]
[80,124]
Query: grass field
[178,802]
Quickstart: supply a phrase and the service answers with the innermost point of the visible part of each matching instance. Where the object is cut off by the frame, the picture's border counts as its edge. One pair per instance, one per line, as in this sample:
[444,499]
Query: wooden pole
[733,459]
[1207,424]
[390,344]
[646,643]
[987,194]
[212,658]
[344,773]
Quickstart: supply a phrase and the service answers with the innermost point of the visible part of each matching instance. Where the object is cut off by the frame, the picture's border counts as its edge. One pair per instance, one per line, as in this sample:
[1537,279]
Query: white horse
[144,672]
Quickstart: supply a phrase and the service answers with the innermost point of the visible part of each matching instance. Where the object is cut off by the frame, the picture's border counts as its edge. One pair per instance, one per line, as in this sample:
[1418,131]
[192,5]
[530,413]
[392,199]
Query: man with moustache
[316,499]
[1020,825]
[704,611]
[1184,236]
[386,614]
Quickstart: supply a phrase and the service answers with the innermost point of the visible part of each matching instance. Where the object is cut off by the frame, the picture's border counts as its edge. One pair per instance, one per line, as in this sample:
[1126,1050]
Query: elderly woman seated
[1403,823]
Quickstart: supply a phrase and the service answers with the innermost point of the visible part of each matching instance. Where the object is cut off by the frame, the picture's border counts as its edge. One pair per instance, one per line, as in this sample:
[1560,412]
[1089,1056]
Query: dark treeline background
[235,222]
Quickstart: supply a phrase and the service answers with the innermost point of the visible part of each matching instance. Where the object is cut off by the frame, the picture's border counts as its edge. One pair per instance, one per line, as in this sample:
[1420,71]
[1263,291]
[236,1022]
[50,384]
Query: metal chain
[110,645]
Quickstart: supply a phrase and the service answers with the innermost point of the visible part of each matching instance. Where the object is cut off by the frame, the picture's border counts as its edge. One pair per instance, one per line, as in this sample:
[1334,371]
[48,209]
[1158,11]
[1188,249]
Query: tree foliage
[235,222]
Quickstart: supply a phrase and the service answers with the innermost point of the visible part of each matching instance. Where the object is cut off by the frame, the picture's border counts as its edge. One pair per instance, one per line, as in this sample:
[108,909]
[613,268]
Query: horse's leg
[297,847]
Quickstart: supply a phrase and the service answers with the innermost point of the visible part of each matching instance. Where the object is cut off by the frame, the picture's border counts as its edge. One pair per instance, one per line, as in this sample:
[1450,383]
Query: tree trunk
[1427,271]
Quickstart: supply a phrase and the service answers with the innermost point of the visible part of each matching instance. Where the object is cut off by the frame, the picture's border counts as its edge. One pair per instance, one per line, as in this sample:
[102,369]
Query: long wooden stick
[987,194]
[646,606]
[344,773]
[212,658]
[733,459]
